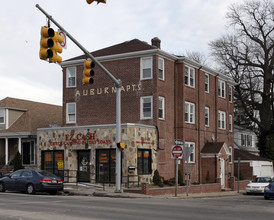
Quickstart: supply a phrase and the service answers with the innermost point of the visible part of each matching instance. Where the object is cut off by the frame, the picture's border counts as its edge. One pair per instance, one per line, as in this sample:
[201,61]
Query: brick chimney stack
[156,42]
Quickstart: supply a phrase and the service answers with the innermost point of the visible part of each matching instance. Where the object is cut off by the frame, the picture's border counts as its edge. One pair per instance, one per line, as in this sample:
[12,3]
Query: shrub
[157,180]
[17,162]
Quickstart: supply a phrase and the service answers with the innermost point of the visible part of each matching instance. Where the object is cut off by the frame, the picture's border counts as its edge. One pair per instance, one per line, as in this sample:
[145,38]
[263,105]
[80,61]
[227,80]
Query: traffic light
[98,1]
[46,43]
[57,39]
[49,45]
[121,145]
[88,72]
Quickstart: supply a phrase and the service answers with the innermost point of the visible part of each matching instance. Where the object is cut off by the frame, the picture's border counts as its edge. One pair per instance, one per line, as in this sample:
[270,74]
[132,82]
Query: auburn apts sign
[80,138]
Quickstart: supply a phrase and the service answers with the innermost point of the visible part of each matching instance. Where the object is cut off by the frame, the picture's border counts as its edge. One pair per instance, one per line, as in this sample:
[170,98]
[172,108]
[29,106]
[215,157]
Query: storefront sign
[145,141]
[80,138]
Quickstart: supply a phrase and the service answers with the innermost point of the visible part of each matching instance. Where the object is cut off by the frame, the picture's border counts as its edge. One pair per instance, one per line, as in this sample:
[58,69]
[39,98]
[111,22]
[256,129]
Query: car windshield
[46,173]
[262,180]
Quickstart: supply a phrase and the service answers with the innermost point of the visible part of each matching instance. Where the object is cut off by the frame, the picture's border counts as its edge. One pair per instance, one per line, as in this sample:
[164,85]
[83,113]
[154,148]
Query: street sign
[179,142]
[64,43]
[177,152]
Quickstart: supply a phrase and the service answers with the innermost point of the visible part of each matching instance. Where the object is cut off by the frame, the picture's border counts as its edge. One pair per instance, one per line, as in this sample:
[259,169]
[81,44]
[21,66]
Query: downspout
[175,99]
[216,110]
[199,129]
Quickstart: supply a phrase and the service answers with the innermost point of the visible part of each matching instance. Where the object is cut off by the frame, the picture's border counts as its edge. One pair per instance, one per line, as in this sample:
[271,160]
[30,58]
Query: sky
[181,25]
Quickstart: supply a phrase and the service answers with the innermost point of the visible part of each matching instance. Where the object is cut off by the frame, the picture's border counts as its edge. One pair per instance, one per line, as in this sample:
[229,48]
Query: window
[26,173]
[190,147]
[71,112]
[146,107]
[52,161]
[161,107]
[144,161]
[146,68]
[28,152]
[71,77]
[189,112]
[221,88]
[206,83]
[206,116]
[230,154]
[230,123]
[230,94]
[246,140]
[189,76]
[221,120]
[2,116]
[161,68]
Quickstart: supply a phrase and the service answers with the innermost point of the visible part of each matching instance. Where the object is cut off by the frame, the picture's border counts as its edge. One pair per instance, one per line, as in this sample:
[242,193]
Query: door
[222,172]
[83,166]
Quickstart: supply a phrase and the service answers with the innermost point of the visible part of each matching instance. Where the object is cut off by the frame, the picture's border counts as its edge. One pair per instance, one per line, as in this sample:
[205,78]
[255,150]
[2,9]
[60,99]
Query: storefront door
[105,166]
[83,166]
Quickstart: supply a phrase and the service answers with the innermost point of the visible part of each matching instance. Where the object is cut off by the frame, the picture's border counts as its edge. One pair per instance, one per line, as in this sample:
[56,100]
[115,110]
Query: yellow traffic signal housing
[121,145]
[56,48]
[98,1]
[46,43]
[88,72]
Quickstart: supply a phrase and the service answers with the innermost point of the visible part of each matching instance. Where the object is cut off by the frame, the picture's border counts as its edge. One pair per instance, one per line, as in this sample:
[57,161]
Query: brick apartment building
[164,97]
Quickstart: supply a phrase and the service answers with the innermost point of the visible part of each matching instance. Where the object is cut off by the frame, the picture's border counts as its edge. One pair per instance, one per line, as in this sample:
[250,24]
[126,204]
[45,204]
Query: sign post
[177,153]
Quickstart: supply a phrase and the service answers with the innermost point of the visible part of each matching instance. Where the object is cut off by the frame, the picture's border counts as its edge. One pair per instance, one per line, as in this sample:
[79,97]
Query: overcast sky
[182,25]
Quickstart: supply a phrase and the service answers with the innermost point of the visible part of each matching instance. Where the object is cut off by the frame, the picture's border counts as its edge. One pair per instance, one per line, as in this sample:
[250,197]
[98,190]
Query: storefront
[88,153]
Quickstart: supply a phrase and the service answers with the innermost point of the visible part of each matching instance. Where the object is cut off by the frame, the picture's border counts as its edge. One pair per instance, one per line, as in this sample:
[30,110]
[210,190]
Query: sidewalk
[109,192]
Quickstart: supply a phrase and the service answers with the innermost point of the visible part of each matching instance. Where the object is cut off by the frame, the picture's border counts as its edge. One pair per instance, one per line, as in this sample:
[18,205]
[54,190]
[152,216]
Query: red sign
[177,151]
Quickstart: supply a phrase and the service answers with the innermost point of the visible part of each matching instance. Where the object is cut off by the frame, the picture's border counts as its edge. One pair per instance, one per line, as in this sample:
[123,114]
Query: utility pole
[118,85]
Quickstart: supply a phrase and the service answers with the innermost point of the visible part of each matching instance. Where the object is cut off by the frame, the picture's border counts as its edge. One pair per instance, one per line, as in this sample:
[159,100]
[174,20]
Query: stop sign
[177,151]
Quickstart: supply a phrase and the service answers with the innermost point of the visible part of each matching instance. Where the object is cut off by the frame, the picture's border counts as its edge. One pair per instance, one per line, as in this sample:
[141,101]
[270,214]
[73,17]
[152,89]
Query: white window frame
[207,116]
[230,123]
[230,97]
[68,121]
[189,112]
[143,117]
[3,115]
[189,74]
[207,83]
[161,68]
[150,66]
[161,107]
[246,140]
[69,74]
[230,154]
[192,154]
[221,88]
[221,120]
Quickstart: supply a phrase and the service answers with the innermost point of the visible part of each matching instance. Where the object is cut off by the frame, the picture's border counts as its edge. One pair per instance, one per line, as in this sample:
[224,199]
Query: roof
[212,147]
[34,115]
[243,155]
[126,47]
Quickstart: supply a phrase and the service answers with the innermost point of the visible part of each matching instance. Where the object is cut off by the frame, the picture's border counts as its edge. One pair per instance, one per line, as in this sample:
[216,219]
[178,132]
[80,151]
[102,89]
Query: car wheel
[30,189]
[2,187]
[266,198]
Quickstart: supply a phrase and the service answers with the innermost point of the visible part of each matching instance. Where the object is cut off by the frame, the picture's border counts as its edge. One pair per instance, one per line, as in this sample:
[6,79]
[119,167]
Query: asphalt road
[27,207]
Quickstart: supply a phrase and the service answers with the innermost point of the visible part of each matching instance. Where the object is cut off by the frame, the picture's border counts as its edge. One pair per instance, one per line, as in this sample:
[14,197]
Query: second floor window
[230,123]
[221,120]
[146,107]
[71,77]
[2,116]
[206,116]
[71,113]
[230,94]
[146,68]
[161,108]
[190,76]
[246,140]
[189,112]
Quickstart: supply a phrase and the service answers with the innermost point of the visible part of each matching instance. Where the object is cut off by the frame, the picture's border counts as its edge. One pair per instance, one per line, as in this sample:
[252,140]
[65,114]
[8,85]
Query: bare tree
[197,57]
[247,54]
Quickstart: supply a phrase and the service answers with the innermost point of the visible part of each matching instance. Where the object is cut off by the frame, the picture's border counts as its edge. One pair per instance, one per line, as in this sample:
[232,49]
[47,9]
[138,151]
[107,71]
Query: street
[21,206]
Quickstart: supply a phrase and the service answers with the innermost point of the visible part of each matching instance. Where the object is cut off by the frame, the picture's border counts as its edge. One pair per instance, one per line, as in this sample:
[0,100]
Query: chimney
[156,42]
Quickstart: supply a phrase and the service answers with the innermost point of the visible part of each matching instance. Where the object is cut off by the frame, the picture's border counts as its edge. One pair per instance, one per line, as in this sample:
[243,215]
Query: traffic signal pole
[118,85]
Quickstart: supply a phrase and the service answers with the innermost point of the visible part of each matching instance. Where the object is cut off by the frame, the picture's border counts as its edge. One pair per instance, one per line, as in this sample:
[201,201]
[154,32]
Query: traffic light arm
[117,82]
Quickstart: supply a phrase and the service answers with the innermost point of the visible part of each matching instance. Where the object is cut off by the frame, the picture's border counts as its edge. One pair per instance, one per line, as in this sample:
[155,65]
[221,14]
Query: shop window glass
[144,161]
